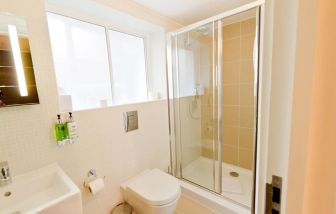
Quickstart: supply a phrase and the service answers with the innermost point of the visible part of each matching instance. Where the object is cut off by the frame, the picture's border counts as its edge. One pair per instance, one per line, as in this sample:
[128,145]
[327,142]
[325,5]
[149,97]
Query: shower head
[202,30]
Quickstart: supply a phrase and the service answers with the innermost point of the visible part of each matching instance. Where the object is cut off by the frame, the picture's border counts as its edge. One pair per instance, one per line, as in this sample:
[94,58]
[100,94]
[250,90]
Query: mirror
[17,80]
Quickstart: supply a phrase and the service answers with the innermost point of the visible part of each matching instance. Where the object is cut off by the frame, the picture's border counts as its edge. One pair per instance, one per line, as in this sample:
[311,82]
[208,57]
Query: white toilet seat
[154,187]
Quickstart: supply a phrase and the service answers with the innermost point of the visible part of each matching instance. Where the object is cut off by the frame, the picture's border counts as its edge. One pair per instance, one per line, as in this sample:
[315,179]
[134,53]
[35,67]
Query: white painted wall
[283,31]
[137,10]
[19,22]
[26,139]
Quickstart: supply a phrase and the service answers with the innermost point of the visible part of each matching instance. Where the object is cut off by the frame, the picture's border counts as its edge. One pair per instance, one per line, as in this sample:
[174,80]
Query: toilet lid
[155,187]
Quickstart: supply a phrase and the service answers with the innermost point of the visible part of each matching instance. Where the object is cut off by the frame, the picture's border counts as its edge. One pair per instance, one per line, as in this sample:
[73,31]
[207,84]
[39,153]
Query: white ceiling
[189,11]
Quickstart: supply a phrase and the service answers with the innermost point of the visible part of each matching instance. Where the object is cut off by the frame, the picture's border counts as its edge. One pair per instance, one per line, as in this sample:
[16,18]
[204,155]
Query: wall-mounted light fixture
[14,40]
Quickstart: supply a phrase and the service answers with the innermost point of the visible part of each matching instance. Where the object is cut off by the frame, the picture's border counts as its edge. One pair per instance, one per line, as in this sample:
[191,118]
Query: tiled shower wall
[238,97]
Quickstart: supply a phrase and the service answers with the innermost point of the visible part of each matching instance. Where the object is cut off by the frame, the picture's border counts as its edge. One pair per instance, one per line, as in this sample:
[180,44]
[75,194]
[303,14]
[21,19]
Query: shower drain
[7,194]
[234,174]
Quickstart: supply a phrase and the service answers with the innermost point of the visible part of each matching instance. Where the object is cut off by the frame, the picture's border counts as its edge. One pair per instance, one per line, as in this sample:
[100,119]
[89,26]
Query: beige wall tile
[248,26]
[205,99]
[230,72]
[245,158]
[230,155]
[191,133]
[230,95]
[247,117]
[230,115]
[207,112]
[208,150]
[207,130]
[247,95]
[231,49]
[230,136]
[247,71]
[238,95]
[231,31]
[208,153]
[247,43]
[246,138]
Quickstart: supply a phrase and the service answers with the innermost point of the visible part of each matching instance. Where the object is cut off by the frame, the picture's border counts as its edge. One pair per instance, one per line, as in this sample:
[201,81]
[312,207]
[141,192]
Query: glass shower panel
[195,72]
[239,70]
[214,80]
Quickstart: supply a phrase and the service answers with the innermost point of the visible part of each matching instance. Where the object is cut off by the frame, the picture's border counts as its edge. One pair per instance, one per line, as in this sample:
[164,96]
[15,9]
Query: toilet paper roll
[96,185]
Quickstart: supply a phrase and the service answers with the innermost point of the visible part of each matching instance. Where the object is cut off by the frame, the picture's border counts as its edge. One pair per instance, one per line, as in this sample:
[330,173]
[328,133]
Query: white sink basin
[44,191]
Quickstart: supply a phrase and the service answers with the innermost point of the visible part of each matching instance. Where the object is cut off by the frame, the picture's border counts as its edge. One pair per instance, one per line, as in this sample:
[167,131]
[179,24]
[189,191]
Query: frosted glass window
[128,67]
[81,63]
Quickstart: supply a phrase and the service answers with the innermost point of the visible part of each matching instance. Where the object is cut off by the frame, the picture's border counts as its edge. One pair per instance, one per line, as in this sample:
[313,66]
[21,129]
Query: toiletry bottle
[71,129]
[60,132]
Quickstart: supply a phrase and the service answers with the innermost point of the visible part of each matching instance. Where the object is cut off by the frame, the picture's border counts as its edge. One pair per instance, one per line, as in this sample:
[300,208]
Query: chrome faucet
[5,177]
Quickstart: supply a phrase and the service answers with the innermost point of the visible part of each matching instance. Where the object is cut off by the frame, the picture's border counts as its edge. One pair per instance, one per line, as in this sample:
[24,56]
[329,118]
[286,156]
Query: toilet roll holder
[92,175]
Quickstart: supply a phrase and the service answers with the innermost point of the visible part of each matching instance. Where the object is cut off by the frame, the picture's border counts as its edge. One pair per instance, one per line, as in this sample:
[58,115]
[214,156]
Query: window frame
[106,27]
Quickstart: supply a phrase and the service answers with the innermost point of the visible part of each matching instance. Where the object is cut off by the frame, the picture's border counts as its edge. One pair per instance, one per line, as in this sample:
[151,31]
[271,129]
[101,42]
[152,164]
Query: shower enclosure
[213,88]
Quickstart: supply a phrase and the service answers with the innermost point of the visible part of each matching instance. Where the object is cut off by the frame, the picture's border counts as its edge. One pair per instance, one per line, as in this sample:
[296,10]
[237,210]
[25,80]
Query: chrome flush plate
[131,120]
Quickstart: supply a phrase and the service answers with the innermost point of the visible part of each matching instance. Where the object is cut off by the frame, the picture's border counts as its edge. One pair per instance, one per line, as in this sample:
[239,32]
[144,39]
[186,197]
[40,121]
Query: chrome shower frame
[173,94]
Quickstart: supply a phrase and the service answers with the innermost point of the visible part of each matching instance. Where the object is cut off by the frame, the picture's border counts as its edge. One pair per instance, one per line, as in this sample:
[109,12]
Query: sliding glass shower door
[194,57]
[213,102]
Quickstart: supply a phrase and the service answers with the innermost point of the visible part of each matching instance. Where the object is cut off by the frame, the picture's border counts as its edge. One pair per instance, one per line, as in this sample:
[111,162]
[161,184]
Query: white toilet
[152,192]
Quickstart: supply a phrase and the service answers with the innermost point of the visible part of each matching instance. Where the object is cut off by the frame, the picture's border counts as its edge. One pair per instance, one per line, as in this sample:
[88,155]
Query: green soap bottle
[59,130]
